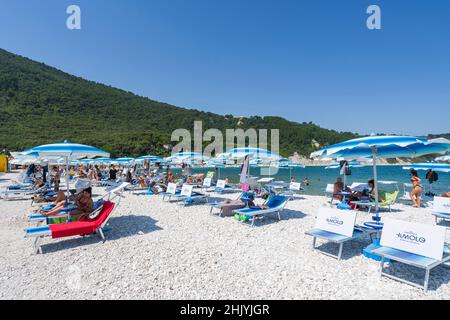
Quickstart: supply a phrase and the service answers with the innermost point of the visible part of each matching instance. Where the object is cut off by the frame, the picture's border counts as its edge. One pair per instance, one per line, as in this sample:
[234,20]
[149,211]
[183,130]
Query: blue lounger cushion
[273,204]
[36,232]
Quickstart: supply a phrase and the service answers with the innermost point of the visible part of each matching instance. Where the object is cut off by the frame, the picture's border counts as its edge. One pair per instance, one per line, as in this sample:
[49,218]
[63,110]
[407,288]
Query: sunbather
[338,188]
[416,190]
[445,195]
[38,184]
[83,202]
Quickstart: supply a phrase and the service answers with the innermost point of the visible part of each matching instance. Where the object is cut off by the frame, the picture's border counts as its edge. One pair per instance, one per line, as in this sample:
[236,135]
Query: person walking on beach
[113,174]
[416,190]
[432,177]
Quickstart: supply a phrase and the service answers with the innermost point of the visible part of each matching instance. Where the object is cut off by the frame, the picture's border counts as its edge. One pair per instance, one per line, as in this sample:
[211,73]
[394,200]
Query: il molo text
[335,221]
[411,237]
[373,21]
[238,310]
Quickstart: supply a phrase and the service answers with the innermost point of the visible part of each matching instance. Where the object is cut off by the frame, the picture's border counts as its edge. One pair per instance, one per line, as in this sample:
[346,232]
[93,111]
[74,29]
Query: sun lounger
[413,244]
[22,194]
[222,187]
[337,226]
[389,199]
[294,188]
[64,215]
[441,208]
[275,204]
[69,229]
[329,192]
[207,183]
[170,191]
[187,196]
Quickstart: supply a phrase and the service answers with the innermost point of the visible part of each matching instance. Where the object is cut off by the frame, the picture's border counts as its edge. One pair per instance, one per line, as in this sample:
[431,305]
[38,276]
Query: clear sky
[304,60]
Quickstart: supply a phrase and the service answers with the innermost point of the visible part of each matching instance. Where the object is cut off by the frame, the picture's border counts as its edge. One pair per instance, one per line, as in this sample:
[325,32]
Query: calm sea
[319,177]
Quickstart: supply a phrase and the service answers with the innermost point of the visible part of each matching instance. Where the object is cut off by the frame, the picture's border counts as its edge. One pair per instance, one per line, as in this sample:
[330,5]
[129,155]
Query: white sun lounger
[171,191]
[221,188]
[187,196]
[413,244]
[294,188]
[337,226]
[441,208]
[22,194]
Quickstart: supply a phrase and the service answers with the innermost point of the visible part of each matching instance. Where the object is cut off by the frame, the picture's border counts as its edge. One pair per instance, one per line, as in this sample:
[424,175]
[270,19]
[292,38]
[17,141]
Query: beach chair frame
[338,239]
[394,256]
[444,216]
[43,232]
[260,214]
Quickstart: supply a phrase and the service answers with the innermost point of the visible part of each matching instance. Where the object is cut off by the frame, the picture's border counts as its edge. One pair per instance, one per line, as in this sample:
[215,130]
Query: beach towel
[82,227]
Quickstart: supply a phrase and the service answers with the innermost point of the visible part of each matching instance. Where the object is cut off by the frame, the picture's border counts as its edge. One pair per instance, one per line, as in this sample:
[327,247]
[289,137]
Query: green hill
[40,104]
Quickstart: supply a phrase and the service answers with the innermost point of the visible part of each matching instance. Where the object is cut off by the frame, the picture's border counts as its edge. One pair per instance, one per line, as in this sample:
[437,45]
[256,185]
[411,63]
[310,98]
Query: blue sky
[303,60]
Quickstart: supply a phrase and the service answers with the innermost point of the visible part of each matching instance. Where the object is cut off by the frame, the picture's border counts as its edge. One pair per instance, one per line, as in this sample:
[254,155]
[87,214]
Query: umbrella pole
[345,176]
[375,177]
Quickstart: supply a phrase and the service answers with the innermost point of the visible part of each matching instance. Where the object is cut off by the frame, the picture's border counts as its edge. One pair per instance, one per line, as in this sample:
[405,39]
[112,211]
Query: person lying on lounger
[445,195]
[38,184]
[83,202]
[338,188]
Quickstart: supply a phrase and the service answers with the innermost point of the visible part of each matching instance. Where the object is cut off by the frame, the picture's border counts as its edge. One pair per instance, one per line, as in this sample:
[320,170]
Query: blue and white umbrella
[253,153]
[439,167]
[187,157]
[149,158]
[337,165]
[101,161]
[290,166]
[443,158]
[382,147]
[67,150]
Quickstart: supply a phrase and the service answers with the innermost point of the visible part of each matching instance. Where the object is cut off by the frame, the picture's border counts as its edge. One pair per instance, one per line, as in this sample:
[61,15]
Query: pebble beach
[160,250]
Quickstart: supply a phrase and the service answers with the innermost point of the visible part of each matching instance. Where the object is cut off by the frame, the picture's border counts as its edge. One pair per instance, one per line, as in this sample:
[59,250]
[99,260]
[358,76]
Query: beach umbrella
[245,170]
[102,161]
[443,158]
[253,153]
[68,151]
[439,167]
[382,147]
[351,164]
[122,161]
[186,157]
[290,166]
[149,158]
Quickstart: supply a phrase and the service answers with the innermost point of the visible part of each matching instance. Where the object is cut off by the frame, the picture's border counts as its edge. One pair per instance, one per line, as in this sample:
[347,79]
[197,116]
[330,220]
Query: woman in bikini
[416,189]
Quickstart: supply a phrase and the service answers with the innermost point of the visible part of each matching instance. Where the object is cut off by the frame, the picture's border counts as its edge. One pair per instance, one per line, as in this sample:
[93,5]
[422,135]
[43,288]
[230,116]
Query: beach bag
[344,206]
[435,176]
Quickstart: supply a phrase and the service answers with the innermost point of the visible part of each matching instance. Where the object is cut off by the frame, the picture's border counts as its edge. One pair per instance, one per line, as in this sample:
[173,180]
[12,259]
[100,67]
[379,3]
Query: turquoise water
[319,177]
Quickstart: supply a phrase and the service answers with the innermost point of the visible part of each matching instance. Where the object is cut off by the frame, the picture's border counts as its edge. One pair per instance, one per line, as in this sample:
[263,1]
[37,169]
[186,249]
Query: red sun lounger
[69,229]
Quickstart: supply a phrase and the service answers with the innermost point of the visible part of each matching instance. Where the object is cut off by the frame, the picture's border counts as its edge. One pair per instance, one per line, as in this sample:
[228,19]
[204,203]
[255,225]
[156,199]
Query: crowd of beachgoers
[165,242]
